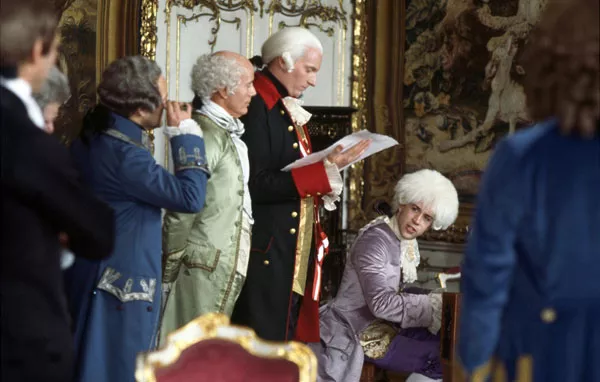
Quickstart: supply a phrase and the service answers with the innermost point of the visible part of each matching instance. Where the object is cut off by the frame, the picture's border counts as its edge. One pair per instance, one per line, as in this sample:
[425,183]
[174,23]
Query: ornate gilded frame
[217,326]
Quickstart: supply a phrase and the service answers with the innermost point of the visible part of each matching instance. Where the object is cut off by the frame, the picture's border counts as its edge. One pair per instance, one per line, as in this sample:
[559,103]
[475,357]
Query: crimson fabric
[307,329]
[266,89]
[311,179]
[223,361]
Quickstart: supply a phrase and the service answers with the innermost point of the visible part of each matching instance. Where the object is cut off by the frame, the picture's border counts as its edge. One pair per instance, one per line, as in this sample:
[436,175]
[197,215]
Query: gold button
[293,231]
[308,195]
[318,194]
[548,315]
[266,262]
[294,214]
[308,151]
[290,128]
[295,145]
[282,112]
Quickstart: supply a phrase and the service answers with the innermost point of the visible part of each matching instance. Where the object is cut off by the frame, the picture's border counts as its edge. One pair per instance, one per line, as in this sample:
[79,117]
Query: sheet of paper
[378,143]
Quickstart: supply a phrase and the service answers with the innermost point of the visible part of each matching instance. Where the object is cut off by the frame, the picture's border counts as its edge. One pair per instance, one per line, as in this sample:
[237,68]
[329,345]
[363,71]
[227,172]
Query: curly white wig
[213,72]
[433,190]
[289,42]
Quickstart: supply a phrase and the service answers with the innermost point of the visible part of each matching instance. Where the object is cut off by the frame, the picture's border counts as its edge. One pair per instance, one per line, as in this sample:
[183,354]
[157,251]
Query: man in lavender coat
[372,317]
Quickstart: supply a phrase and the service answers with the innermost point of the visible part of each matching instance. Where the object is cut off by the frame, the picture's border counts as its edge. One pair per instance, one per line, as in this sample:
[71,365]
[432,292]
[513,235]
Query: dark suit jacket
[40,197]
[265,302]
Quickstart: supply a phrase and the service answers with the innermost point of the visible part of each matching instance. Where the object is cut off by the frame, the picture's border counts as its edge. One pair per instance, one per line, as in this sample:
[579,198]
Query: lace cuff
[335,182]
[435,299]
[187,126]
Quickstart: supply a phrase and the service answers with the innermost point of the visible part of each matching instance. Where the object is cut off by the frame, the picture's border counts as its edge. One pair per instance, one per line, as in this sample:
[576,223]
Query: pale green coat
[200,251]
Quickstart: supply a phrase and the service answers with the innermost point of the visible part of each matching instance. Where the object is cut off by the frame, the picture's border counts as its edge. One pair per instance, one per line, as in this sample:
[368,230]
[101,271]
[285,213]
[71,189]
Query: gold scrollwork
[356,215]
[148,38]
[214,12]
[312,13]
[148,28]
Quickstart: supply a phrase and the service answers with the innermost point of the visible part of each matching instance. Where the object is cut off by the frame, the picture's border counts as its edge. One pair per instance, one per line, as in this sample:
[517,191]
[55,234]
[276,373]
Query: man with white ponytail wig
[373,317]
[205,255]
[280,299]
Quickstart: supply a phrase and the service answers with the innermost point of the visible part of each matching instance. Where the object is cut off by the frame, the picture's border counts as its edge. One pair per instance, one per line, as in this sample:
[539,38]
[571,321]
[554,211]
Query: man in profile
[41,199]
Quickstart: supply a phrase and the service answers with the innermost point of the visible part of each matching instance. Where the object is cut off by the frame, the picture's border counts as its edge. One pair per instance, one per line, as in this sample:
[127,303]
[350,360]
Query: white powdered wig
[213,72]
[433,190]
[289,42]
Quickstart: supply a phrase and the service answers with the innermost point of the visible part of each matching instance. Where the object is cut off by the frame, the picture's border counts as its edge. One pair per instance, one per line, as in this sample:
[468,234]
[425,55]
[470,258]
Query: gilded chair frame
[217,326]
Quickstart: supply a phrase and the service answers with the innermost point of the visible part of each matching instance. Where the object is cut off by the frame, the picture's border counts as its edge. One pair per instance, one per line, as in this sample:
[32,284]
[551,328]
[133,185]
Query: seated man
[206,254]
[371,317]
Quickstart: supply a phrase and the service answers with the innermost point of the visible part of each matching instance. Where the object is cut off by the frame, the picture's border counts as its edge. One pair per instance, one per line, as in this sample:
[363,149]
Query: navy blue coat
[116,302]
[531,295]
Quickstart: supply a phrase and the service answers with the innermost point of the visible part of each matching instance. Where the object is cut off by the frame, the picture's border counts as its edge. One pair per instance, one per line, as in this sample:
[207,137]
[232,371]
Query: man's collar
[280,88]
[127,127]
[22,89]
[269,88]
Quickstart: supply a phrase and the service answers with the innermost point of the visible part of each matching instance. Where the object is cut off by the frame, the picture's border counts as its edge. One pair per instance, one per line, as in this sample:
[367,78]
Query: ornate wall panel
[186,29]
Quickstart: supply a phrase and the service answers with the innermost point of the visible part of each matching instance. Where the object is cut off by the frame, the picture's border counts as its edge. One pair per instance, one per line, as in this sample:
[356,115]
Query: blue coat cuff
[189,153]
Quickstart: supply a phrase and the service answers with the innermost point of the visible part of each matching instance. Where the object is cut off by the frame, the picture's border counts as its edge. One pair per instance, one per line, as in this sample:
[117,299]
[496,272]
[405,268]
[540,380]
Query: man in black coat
[280,297]
[41,199]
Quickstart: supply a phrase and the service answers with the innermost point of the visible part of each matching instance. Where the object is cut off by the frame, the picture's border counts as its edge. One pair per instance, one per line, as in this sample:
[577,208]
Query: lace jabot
[299,116]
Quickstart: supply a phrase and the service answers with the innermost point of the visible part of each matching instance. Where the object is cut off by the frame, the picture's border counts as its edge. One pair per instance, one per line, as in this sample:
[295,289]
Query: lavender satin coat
[369,291]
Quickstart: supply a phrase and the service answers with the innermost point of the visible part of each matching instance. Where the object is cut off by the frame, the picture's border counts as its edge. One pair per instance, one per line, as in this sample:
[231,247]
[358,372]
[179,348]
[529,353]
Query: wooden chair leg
[368,372]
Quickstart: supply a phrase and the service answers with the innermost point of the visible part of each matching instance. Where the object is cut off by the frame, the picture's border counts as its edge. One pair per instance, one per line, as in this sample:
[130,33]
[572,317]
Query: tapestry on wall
[77,59]
[463,82]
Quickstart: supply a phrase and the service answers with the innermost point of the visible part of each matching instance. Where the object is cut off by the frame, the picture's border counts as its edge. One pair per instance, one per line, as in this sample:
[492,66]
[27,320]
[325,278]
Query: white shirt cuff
[335,182]
[187,126]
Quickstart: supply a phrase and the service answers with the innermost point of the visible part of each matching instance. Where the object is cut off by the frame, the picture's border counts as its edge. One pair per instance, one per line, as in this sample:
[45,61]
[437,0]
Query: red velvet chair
[210,349]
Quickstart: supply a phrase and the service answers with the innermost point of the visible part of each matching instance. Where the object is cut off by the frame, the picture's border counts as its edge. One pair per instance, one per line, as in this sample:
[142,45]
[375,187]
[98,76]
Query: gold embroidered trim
[495,370]
[525,368]
[304,240]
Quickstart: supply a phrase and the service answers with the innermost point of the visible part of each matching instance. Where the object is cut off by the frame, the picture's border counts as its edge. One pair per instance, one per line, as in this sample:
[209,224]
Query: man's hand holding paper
[348,150]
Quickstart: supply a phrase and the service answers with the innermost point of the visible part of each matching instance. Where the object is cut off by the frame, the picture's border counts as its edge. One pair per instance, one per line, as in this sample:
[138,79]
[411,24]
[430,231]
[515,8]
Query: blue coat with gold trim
[531,295]
[116,302]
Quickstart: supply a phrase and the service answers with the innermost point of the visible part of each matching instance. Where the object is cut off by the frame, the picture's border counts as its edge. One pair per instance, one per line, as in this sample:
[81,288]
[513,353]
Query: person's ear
[37,51]
[223,93]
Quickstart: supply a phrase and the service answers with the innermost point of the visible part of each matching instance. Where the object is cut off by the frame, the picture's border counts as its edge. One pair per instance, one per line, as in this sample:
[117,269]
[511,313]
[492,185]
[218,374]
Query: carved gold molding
[215,10]
[148,37]
[356,215]
[213,326]
[312,13]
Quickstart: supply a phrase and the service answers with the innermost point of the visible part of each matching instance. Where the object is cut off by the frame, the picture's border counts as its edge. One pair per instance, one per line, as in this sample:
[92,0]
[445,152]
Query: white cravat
[22,89]
[409,252]
[235,127]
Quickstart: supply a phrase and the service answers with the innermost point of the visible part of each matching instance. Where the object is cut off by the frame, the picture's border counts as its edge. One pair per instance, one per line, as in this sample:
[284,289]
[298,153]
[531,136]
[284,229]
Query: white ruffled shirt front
[409,261]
